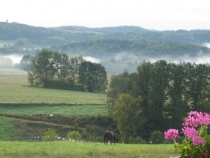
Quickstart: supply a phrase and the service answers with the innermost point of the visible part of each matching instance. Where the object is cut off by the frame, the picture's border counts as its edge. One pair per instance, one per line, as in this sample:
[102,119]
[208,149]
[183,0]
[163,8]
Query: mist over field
[116,48]
[186,58]
[8,61]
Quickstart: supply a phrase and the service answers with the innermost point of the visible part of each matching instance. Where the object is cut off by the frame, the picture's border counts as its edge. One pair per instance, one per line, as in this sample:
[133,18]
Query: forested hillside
[117,48]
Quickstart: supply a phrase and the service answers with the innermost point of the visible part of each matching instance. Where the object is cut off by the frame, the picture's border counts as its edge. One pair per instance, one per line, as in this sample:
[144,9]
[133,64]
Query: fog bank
[8,61]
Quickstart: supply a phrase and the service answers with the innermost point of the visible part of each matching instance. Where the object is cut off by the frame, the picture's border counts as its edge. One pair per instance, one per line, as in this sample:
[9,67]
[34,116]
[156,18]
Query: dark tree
[176,107]
[197,81]
[92,76]
[42,69]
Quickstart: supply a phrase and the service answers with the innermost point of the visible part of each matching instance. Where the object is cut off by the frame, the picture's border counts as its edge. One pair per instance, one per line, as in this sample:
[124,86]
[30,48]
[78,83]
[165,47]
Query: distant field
[15,89]
[83,150]
[11,72]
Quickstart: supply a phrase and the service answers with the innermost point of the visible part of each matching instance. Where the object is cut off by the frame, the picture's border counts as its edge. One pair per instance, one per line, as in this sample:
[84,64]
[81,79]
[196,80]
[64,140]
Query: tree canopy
[158,96]
[54,70]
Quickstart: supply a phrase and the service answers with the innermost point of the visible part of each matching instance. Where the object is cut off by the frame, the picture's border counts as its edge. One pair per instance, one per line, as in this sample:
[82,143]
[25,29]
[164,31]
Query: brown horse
[111,136]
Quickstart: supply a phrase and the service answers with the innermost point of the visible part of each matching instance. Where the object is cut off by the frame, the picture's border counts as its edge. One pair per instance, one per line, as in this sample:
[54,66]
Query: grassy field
[19,102]
[25,111]
[15,89]
[6,129]
[67,149]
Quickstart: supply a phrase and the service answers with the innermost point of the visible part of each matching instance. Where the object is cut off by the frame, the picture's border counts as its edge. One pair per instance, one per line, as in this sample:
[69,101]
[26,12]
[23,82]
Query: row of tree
[157,97]
[54,70]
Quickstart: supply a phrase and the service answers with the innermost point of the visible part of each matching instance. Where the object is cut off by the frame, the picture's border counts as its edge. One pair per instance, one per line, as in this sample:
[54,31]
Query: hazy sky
[150,14]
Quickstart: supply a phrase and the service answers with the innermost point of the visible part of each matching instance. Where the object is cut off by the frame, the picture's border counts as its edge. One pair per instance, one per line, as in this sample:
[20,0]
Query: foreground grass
[15,89]
[83,150]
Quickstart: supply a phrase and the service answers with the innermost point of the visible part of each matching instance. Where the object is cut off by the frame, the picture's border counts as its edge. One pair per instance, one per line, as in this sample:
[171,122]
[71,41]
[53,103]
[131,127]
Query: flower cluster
[195,131]
[190,132]
[197,118]
[171,134]
[198,140]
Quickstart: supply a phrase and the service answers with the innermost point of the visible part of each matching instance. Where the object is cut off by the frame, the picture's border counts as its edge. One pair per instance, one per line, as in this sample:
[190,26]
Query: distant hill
[14,31]
[119,29]
[123,44]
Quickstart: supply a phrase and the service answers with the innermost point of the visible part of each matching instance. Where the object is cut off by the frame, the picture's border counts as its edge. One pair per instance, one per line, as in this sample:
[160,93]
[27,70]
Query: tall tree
[127,114]
[158,84]
[143,84]
[177,107]
[197,81]
[143,90]
[92,76]
[42,68]
[74,69]
[119,84]
[62,67]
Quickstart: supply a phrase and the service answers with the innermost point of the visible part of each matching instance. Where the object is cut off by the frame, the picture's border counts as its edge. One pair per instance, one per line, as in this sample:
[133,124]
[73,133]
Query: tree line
[51,69]
[157,97]
[106,47]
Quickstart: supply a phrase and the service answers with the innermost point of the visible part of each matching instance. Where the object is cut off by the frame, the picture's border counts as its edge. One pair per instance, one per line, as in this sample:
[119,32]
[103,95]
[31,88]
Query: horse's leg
[105,139]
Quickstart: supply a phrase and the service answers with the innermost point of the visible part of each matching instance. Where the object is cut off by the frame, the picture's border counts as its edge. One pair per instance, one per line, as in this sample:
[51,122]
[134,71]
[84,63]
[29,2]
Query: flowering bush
[197,141]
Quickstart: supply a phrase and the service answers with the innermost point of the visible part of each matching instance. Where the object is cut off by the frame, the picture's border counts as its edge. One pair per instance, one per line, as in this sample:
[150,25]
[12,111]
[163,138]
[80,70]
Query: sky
[149,14]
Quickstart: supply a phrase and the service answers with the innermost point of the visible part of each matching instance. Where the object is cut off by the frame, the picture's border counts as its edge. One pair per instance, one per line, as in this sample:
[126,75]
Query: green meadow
[26,111]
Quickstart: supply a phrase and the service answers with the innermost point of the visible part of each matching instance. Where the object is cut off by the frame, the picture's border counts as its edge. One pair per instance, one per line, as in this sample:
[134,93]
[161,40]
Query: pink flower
[198,140]
[171,134]
[190,132]
[197,118]
[191,121]
[205,119]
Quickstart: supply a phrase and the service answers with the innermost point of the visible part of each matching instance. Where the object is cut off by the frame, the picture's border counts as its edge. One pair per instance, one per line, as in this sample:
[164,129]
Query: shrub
[75,135]
[50,135]
[157,137]
[137,140]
